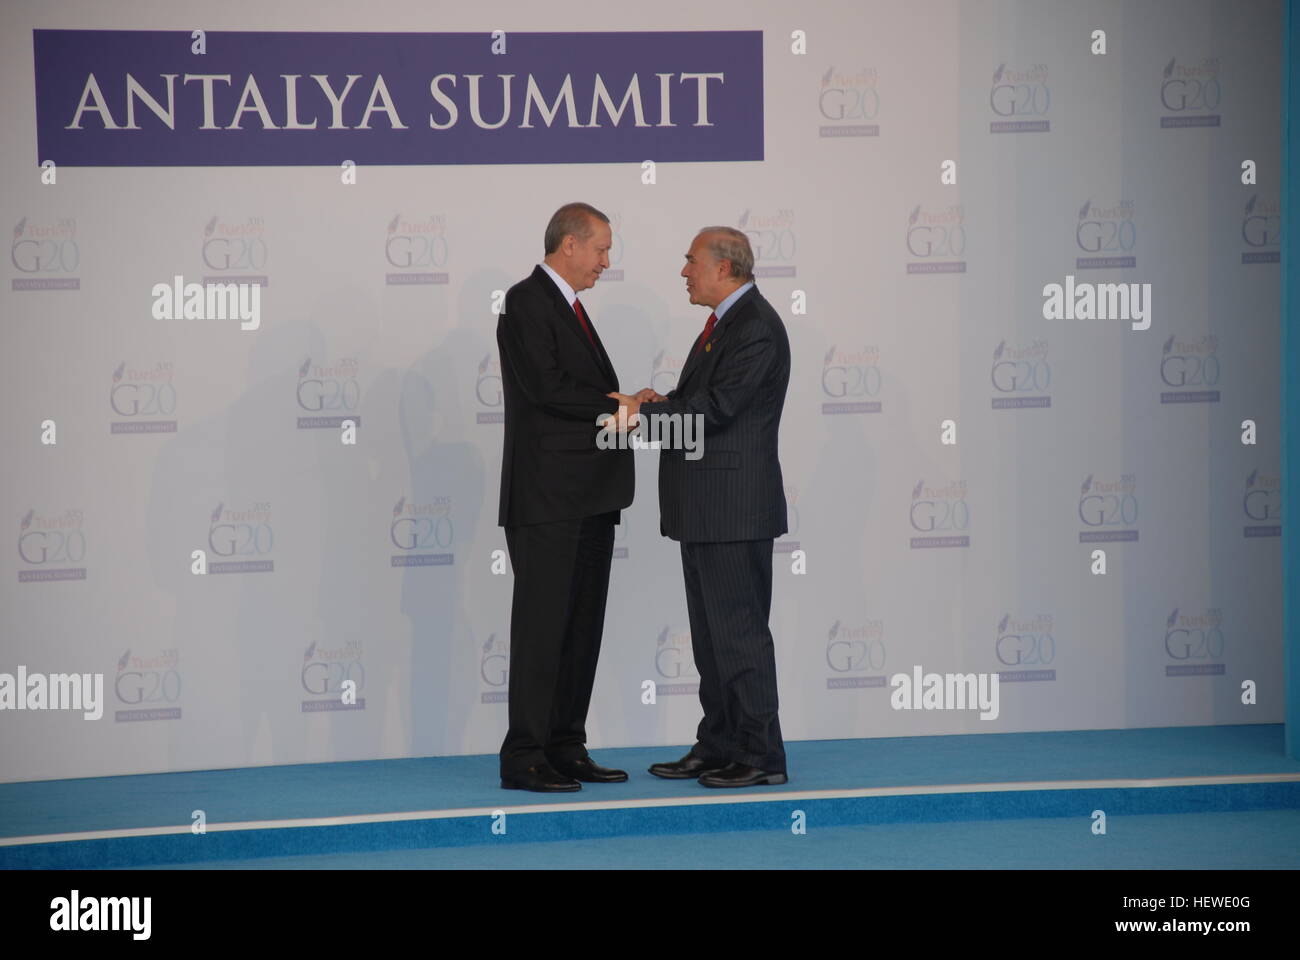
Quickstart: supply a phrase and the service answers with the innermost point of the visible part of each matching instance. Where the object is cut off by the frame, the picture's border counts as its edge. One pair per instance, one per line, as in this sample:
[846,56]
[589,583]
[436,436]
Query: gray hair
[572,218]
[728,243]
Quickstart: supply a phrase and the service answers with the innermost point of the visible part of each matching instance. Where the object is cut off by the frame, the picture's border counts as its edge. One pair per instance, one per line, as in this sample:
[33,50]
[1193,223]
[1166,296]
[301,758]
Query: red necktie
[582,318]
[704,336]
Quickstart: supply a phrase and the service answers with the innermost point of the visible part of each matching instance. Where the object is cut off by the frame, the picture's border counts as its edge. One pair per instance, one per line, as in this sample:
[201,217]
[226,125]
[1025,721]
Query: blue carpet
[375,786]
[443,783]
[1220,841]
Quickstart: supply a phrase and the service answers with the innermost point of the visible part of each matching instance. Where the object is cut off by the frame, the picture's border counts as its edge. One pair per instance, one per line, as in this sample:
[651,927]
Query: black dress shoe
[741,775]
[541,777]
[588,771]
[689,767]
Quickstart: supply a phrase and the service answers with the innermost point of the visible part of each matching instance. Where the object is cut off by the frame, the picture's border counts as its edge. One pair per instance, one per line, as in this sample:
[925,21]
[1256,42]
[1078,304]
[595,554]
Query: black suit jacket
[554,383]
[734,491]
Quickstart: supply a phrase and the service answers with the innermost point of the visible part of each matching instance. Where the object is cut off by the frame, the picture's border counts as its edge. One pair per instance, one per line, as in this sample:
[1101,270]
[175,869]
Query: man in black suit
[726,508]
[560,501]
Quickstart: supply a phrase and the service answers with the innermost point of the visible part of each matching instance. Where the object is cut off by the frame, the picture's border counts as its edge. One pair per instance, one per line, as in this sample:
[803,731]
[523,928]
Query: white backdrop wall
[241,668]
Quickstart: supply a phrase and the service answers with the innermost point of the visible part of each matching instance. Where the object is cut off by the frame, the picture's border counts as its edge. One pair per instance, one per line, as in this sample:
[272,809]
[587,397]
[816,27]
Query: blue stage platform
[1216,796]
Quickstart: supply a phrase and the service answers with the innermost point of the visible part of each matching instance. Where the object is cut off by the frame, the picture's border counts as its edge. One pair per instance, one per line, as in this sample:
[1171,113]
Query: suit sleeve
[528,347]
[735,381]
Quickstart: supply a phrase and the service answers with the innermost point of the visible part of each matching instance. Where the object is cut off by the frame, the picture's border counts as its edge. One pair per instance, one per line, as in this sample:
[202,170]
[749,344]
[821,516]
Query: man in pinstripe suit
[726,508]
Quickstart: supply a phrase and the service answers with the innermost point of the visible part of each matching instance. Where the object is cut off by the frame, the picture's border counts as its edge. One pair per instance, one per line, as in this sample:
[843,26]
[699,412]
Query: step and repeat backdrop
[1027,255]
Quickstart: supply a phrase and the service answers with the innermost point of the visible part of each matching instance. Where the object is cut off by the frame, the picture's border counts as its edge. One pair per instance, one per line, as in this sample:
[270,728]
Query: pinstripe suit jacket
[734,491]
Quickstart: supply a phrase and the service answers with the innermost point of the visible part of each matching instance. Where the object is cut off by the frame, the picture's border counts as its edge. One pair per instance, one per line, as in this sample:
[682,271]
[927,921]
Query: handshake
[630,406]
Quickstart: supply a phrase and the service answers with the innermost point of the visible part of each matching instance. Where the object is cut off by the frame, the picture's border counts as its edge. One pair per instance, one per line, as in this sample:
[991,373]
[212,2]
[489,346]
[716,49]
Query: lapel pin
[708,347]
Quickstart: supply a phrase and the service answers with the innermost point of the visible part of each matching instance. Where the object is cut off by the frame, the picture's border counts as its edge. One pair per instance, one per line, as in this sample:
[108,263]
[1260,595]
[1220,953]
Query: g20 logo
[673,662]
[243,539]
[664,380]
[1179,370]
[1263,504]
[234,253]
[851,103]
[1182,644]
[143,399]
[328,393]
[148,686]
[416,250]
[1094,236]
[51,255]
[851,381]
[1025,649]
[52,546]
[937,240]
[1193,93]
[772,244]
[328,676]
[488,389]
[1108,510]
[1258,230]
[494,668]
[1020,99]
[421,533]
[847,656]
[1021,376]
[928,515]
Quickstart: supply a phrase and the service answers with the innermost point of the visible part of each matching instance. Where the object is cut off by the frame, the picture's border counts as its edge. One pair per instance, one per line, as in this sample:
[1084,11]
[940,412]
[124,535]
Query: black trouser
[556,619]
[729,599]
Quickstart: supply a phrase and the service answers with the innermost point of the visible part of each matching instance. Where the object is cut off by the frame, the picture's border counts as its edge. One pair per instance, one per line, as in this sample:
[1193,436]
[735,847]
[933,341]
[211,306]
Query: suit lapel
[692,362]
[719,328]
[604,357]
[569,320]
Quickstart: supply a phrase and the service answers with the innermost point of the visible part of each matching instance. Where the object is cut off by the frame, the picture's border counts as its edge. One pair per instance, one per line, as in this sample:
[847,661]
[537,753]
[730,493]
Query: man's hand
[628,407]
[647,395]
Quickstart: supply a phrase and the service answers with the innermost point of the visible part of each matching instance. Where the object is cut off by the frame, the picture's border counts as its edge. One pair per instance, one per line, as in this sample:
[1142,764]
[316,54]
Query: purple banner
[142,98]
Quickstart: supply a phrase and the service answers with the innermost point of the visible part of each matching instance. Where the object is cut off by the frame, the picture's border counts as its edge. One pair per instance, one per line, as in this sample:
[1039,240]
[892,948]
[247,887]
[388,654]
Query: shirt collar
[736,294]
[569,295]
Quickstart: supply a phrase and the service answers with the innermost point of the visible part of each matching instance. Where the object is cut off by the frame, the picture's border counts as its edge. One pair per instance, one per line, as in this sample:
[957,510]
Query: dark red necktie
[704,336]
[582,318]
